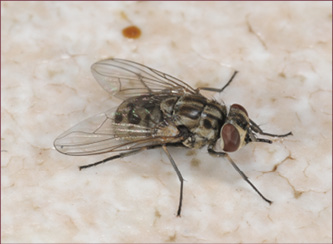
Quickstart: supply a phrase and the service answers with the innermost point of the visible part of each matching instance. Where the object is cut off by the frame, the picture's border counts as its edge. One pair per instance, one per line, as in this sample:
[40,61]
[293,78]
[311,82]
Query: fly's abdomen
[141,110]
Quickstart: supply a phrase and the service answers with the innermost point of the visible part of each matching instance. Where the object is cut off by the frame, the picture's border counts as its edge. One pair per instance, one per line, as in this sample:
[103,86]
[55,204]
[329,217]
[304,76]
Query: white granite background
[283,51]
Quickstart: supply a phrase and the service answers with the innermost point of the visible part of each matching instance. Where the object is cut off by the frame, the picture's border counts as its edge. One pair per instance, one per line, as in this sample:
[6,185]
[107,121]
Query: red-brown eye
[240,107]
[230,137]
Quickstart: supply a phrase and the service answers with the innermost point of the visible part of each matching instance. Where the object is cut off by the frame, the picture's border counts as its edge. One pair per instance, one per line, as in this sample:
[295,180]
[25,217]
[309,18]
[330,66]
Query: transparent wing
[124,79]
[101,134]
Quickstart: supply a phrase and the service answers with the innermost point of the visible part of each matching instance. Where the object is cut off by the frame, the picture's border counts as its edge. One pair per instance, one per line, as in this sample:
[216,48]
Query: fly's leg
[180,177]
[222,154]
[217,89]
[257,129]
[120,155]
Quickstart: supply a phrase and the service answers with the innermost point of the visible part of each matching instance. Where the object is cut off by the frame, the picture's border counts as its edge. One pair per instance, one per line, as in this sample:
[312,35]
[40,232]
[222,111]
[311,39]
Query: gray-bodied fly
[158,111]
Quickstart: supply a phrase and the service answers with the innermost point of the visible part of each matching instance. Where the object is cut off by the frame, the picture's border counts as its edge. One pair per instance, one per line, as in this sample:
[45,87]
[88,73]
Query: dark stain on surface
[132,32]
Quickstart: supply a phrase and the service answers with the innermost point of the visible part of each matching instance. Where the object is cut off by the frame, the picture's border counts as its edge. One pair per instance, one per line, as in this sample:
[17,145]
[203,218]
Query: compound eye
[240,107]
[230,137]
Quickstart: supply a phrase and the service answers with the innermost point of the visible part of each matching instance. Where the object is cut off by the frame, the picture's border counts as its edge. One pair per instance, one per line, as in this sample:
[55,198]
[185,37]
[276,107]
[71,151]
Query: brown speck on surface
[157,214]
[297,194]
[273,99]
[123,15]
[172,238]
[282,74]
[132,32]
[195,162]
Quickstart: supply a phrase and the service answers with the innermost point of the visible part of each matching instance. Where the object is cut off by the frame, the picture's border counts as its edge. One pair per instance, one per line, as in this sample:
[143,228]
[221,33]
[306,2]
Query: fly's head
[237,131]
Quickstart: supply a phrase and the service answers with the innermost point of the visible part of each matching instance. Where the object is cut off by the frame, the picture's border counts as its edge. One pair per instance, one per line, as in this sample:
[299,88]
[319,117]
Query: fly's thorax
[212,117]
[202,117]
[234,130]
[188,109]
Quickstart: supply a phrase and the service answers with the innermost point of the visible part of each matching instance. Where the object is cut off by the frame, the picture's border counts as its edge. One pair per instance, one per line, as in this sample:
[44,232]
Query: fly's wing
[124,79]
[101,134]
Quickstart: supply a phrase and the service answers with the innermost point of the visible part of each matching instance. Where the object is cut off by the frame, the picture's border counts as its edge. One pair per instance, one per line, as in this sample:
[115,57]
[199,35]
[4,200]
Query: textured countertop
[283,52]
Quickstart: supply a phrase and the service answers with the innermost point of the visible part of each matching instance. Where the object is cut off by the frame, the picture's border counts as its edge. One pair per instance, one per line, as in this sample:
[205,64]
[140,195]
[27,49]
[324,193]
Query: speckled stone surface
[283,52]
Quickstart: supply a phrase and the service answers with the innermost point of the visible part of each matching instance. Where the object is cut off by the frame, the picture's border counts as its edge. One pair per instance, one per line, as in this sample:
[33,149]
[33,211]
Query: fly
[158,111]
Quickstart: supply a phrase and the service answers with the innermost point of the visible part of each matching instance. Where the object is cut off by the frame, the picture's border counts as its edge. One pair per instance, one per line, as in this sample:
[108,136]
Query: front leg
[254,127]
[223,154]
